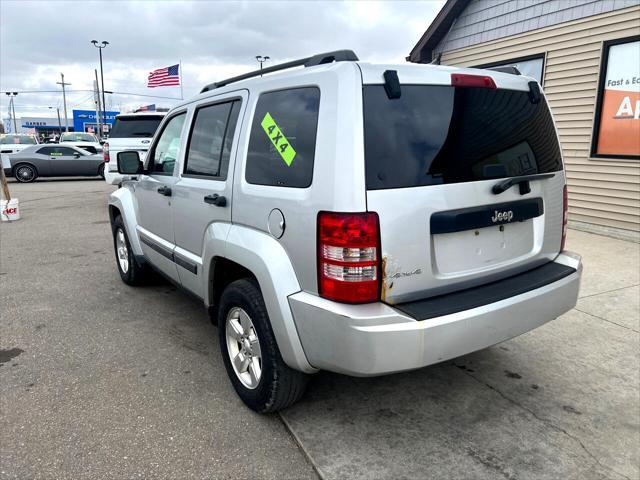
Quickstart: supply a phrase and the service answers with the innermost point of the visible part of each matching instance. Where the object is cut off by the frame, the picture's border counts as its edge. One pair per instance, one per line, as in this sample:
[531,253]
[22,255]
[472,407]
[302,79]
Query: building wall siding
[486,20]
[601,191]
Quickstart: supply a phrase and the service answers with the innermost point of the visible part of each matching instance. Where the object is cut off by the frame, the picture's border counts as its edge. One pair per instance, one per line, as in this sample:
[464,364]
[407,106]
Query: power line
[82,91]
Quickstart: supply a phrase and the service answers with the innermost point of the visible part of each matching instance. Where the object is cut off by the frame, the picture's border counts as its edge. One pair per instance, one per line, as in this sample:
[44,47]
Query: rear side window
[282,142]
[209,147]
[142,127]
[436,135]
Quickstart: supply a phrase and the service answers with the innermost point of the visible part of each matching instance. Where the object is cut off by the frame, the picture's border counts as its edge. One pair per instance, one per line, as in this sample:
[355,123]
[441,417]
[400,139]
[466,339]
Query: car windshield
[438,134]
[18,139]
[78,137]
[142,126]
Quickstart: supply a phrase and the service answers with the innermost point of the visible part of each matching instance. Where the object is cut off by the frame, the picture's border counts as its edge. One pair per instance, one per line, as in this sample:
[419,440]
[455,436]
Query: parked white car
[16,142]
[86,141]
[132,131]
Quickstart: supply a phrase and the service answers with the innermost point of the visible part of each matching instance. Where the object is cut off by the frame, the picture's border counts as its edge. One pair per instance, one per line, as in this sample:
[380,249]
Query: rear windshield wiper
[523,181]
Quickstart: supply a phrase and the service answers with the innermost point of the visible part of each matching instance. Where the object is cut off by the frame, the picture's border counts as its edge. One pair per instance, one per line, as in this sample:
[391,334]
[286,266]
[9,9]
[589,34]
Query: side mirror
[129,163]
[76,155]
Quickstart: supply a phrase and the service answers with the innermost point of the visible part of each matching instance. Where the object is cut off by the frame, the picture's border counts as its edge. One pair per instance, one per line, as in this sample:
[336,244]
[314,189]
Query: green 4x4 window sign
[279,141]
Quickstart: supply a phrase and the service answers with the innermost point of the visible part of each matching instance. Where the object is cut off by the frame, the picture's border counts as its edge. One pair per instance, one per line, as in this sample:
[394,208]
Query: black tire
[101,171]
[25,173]
[279,385]
[135,273]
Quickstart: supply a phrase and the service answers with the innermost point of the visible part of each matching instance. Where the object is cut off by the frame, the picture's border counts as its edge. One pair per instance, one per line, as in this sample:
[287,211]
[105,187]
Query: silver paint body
[313,332]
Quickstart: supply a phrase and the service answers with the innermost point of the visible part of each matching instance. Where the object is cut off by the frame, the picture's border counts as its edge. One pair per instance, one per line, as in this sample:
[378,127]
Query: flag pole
[181,80]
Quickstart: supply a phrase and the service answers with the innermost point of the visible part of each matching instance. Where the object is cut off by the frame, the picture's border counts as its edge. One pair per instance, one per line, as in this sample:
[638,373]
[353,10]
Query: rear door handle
[166,191]
[215,199]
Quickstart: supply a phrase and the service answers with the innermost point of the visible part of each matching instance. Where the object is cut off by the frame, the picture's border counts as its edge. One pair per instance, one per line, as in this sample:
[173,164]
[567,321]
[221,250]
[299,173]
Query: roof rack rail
[319,59]
[506,69]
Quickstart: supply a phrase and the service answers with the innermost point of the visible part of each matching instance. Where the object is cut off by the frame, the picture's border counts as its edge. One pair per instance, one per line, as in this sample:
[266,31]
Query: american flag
[164,77]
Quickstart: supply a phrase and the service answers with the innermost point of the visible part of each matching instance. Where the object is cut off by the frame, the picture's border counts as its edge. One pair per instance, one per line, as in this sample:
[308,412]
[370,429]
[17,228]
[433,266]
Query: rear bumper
[375,339]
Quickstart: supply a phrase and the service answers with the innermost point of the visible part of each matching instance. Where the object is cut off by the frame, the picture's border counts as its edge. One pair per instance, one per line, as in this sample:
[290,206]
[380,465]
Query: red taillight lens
[348,257]
[565,216]
[465,80]
[105,152]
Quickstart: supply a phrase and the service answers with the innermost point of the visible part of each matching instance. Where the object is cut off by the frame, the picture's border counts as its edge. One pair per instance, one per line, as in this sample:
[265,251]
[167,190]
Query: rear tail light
[349,257]
[105,152]
[565,216]
[465,80]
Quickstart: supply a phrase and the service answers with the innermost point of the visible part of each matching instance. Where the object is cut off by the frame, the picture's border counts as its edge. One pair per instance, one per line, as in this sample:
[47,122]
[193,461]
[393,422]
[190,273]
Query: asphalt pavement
[101,380]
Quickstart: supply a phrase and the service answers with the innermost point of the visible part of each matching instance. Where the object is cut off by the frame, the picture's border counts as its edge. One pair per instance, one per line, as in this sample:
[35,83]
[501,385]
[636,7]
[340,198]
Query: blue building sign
[85,120]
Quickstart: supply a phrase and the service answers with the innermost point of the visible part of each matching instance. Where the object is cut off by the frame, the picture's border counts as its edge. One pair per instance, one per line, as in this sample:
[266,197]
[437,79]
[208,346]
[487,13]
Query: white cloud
[214,40]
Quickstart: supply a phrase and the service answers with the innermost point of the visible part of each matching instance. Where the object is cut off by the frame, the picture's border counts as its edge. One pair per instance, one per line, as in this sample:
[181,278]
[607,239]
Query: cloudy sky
[213,39]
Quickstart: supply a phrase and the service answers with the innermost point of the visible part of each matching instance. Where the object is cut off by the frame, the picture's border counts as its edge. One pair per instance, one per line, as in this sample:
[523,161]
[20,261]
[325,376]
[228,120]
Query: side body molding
[267,259]
[124,200]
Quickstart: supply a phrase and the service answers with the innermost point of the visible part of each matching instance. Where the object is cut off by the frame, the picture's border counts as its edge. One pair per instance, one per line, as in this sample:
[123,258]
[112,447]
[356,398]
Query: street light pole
[261,59]
[12,109]
[64,100]
[100,47]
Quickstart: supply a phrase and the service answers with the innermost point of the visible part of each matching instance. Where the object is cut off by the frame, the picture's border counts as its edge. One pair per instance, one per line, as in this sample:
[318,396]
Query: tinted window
[211,138]
[283,138]
[167,150]
[78,137]
[143,126]
[57,151]
[440,134]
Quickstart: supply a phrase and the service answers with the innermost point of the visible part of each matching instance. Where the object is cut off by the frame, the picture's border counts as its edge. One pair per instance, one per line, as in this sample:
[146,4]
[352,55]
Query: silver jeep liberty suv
[363,219]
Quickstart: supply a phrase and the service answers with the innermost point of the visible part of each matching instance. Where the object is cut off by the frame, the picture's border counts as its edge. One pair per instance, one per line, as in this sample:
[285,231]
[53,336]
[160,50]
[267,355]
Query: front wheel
[250,352]
[24,173]
[130,271]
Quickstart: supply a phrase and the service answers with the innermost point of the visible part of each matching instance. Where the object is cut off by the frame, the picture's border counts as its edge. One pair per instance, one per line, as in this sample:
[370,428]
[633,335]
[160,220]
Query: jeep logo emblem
[505,216]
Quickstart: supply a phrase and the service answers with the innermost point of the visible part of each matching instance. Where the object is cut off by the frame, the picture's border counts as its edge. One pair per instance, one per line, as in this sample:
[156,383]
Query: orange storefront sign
[619,123]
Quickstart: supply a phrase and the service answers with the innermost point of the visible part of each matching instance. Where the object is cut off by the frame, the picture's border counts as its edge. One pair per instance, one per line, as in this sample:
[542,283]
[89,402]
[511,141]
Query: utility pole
[64,100]
[12,110]
[59,122]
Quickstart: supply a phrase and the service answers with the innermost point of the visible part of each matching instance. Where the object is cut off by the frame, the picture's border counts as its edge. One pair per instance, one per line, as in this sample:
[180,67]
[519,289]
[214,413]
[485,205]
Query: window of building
[616,130]
[282,143]
[532,66]
[211,138]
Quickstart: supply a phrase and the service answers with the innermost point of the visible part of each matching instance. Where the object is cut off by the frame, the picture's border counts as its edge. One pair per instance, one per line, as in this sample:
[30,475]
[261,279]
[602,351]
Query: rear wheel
[101,170]
[25,173]
[250,352]
[130,271]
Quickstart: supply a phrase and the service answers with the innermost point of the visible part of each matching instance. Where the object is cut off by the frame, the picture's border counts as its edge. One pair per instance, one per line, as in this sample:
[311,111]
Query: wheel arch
[249,253]
[121,202]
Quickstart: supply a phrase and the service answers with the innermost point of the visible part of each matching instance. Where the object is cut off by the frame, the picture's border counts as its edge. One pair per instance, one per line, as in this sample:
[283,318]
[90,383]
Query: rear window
[127,127]
[282,143]
[78,137]
[17,139]
[437,134]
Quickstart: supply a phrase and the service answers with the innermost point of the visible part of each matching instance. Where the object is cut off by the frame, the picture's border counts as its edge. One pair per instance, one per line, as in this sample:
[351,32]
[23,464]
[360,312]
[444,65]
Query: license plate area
[467,251]
[481,238]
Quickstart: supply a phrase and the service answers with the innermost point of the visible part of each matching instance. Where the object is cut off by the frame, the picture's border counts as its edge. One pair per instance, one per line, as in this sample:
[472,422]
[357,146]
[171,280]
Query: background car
[131,131]
[15,142]
[55,161]
[86,141]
